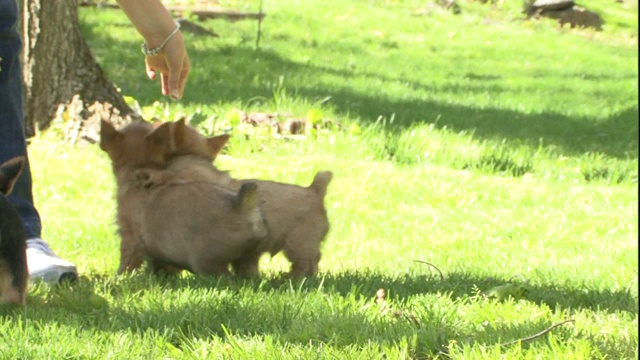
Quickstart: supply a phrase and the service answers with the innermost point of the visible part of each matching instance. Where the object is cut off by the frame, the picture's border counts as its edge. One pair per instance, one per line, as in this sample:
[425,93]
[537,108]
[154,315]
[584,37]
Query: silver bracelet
[156,50]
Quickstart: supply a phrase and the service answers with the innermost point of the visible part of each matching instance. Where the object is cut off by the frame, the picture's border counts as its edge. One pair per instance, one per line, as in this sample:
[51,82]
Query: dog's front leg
[131,256]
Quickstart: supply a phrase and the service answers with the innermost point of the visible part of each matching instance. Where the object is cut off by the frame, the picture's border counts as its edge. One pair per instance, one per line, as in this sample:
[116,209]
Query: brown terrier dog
[14,273]
[198,227]
[135,146]
[295,216]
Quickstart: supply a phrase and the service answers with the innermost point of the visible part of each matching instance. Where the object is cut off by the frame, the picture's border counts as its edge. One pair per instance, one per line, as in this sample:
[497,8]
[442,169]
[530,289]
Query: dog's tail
[320,182]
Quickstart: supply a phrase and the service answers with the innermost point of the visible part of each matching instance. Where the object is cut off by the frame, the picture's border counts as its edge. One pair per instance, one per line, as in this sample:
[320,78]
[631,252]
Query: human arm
[154,22]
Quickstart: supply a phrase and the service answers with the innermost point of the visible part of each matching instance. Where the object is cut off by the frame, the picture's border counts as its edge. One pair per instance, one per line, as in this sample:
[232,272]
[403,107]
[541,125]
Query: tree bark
[62,78]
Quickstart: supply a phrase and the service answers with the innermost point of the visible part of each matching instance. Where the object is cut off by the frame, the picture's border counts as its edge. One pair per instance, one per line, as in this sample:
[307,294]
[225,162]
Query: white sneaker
[45,265]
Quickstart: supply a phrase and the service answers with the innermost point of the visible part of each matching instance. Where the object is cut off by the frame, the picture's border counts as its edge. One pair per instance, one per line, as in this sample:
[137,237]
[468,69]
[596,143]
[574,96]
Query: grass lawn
[501,151]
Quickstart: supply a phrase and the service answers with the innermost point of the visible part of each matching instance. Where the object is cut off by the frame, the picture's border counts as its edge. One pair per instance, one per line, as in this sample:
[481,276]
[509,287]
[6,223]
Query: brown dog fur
[135,146]
[199,227]
[295,216]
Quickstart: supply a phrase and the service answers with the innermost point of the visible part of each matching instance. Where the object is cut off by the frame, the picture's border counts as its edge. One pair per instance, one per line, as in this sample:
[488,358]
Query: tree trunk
[62,78]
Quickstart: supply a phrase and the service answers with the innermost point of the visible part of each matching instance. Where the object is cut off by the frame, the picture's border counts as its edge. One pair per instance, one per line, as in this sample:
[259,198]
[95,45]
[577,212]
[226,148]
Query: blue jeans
[12,136]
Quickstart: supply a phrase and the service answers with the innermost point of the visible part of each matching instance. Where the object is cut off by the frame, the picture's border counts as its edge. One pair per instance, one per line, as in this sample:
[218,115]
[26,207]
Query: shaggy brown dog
[198,227]
[135,146]
[295,216]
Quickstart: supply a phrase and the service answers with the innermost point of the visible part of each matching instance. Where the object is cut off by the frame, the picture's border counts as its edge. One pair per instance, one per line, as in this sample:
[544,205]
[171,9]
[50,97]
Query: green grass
[496,149]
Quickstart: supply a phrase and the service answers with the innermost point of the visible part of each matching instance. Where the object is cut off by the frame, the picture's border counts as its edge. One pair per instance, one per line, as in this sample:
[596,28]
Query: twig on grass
[538,335]
[433,266]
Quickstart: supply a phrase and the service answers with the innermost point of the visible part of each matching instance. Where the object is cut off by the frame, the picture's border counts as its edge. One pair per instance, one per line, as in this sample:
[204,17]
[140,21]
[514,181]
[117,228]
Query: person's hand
[173,65]
[154,22]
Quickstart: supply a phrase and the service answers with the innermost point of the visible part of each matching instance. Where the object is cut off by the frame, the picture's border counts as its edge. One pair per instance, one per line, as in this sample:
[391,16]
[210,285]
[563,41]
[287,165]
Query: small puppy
[295,216]
[198,227]
[297,223]
[14,274]
[137,145]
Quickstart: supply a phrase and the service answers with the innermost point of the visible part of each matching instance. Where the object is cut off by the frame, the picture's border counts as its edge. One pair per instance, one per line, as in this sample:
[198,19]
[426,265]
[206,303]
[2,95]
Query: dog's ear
[157,144]
[215,144]
[9,172]
[178,136]
[159,137]
[110,138]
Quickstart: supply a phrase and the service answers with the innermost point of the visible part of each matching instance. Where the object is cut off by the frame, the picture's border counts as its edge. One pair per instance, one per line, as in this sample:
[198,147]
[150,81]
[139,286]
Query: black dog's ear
[9,172]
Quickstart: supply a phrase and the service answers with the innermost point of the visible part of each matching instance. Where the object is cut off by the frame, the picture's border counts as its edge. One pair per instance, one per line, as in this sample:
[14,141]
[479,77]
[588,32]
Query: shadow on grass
[324,310]
[457,285]
[239,73]
[616,136]
[399,288]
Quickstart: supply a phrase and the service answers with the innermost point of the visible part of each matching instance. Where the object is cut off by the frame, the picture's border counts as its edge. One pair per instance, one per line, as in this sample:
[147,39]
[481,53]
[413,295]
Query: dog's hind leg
[303,251]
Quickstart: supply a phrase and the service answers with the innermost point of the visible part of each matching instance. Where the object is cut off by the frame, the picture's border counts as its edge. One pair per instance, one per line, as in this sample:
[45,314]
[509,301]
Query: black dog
[14,274]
